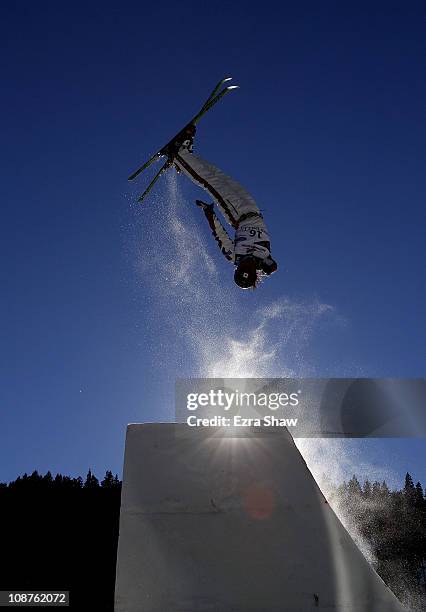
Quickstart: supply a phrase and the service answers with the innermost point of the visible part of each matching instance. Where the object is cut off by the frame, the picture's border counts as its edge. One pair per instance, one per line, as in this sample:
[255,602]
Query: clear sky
[327,132]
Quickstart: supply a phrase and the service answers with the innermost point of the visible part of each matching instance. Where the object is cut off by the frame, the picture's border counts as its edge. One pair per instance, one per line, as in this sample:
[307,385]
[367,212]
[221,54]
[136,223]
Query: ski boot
[184,141]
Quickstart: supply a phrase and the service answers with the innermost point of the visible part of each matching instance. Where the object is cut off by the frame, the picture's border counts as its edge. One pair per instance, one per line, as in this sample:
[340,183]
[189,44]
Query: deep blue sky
[327,132]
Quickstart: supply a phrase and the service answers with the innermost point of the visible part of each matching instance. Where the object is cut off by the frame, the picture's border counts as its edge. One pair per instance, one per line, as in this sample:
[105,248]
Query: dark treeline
[61,533]
[393,525]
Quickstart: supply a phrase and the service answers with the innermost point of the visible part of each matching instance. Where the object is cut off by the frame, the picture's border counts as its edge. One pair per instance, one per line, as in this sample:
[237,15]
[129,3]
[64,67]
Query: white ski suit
[237,206]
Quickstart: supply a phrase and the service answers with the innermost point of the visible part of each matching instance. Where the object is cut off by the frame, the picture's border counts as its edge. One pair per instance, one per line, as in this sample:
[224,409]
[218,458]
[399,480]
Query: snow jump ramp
[225,524]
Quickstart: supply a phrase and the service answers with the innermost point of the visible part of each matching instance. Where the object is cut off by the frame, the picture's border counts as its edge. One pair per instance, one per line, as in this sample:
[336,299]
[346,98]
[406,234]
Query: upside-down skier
[250,250]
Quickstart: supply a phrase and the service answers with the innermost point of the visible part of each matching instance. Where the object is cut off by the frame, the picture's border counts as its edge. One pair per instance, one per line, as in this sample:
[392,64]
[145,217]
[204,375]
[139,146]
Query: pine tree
[384,489]
[108,480]
[419,500]
[91,481]
[48,479]
[67,481]
[409,490]
[367,489]
[354,488]
[376,490]
[409,485]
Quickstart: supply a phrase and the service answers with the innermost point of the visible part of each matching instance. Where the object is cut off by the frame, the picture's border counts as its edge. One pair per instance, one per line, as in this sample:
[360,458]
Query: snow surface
[212,523]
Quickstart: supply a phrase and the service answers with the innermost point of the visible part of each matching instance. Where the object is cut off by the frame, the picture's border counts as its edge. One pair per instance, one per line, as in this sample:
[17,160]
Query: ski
[213,99]
[215,90]
[150,161]
[155,179]
[212,102]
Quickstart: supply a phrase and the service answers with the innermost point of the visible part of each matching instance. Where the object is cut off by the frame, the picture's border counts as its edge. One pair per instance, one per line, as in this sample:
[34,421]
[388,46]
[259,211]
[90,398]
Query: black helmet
[246,274]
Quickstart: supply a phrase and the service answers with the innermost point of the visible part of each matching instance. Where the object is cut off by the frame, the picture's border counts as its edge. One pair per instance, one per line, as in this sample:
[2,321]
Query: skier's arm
[220,234]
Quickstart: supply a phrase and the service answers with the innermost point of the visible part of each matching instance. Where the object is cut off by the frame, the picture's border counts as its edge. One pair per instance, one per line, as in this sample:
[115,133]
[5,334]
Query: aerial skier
[250,250]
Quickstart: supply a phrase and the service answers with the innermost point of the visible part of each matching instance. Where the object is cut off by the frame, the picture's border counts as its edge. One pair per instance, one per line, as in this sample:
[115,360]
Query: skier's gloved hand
[206,207]
[269,266]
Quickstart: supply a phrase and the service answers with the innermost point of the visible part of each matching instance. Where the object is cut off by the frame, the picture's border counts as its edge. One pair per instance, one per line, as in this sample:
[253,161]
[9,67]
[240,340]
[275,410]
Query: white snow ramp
[220,524]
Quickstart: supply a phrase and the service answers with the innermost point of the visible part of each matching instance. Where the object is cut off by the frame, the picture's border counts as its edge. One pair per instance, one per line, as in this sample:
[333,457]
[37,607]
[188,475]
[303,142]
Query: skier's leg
[226,245]
[233,200]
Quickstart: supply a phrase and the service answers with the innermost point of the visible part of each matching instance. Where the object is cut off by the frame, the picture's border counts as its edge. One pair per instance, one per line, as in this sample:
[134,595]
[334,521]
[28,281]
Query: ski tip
[233,87]
[226,79]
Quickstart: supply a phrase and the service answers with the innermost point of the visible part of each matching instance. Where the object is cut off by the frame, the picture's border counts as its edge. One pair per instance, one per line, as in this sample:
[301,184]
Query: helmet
[246,275]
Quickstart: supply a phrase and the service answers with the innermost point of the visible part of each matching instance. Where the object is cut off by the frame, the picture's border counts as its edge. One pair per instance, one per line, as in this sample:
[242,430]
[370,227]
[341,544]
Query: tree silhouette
[393,524]
[354,488]
[367,490]
[91,481]
[60,533]
[68,530]
[108,480]
[419,500]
